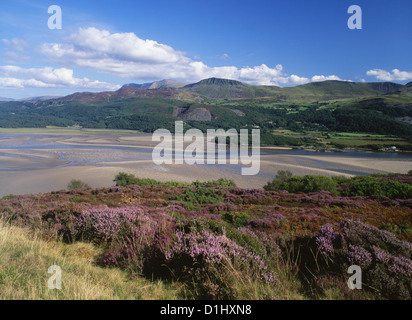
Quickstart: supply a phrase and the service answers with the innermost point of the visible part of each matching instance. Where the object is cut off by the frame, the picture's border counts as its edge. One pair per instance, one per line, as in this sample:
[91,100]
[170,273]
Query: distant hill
[166,89]
[333,90]
[216,88]
[327,90]
[226,89]
[121,94]
[156,85]
[41,98]
[406,90]
[6,99]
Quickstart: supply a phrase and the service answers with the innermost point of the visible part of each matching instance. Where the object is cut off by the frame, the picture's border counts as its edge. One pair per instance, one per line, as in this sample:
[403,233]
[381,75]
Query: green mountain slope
[327,90]
[334,90]
[221,89]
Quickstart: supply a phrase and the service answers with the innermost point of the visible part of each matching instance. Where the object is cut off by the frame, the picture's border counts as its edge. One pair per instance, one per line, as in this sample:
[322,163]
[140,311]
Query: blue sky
[104,44]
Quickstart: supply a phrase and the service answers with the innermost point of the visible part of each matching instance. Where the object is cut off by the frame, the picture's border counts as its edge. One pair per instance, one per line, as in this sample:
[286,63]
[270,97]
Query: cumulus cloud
[325,78]
[16,77]
[126,55]
[394,75]
[9,82]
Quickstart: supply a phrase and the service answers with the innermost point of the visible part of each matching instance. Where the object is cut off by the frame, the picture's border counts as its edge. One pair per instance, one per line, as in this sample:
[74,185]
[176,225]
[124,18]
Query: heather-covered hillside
[218,241]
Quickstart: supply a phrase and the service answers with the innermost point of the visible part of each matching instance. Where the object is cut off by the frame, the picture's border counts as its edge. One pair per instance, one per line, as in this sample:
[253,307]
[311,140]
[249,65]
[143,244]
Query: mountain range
[156,85]
[330,106]
[223,89]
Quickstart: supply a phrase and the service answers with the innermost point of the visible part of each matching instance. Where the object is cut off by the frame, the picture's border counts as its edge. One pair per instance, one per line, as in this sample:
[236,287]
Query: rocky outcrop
[197,114]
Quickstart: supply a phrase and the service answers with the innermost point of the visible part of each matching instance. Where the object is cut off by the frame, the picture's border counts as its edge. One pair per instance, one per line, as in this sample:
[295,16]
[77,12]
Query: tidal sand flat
[43,161]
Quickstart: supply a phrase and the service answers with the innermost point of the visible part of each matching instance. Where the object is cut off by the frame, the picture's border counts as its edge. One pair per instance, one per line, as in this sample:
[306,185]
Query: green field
[342,140]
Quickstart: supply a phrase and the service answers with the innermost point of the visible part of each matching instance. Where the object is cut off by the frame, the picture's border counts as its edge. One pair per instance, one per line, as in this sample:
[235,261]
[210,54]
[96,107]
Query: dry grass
[246,287]
[25,259]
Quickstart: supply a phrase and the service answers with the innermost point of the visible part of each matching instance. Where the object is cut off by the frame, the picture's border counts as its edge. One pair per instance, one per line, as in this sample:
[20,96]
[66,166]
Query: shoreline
[125,135]
[59,161]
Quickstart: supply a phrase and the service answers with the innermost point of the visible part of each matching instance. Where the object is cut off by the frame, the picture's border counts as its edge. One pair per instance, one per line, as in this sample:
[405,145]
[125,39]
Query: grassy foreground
[25,258]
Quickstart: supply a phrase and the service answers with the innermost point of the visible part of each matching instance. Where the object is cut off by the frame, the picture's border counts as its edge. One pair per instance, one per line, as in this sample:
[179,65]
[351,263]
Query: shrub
[371,186]
[63,219]
[327,239]
[310,183]
[123,179]
[385,260]
[105,224]
[238,219]
[293,184]
[200,195]
[142,251]
[210,264]
[277,182]
[77,184]
[210,259]
[222,182]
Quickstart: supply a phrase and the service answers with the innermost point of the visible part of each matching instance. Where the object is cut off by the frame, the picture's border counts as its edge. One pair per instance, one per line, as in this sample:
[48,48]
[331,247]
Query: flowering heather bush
[142,250]
[220,207]
[272,220]
[359,256]
[198,258]
[264,243]
[176,208]
[327,239]
[365,235]
[402,178]
[247,196]
[398,202]
[204,256]
[326,199]
[105,224]
[385,260]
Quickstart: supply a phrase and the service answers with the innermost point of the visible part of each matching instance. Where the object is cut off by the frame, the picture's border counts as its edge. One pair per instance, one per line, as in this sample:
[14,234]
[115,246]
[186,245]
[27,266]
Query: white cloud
[325,78]
[8,82]
[394,75]
[294,79]
[126,55]
[16,77]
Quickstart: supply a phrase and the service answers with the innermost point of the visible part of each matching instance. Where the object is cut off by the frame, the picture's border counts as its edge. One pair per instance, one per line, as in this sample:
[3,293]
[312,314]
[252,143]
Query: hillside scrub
[124,179]
[77,184]
[309,183]
[224,242]
[393,186]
